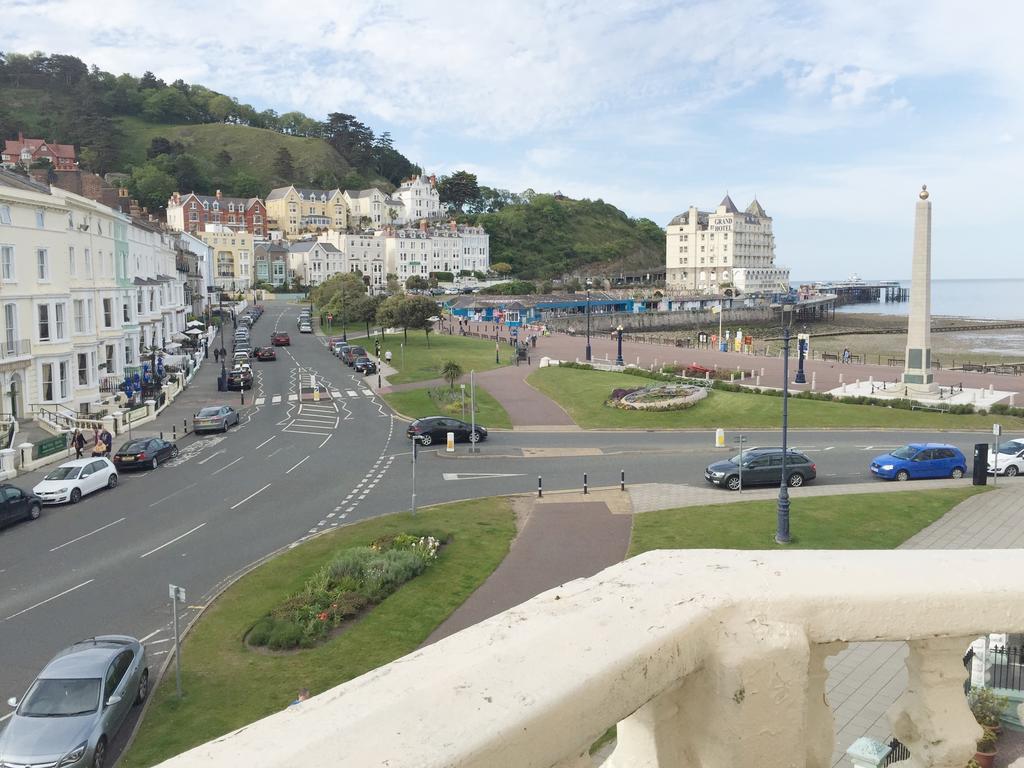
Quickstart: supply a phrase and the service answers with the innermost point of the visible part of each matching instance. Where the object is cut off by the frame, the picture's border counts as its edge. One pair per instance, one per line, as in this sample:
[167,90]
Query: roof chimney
[21,137]
[433,180]
[423,225]
[218,194]
[452,225]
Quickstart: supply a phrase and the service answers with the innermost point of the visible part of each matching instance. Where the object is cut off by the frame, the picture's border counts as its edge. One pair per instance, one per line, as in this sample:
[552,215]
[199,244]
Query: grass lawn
[226,685]
[857,521]
[334,329]
[417,403]
[582,394]
[420,363]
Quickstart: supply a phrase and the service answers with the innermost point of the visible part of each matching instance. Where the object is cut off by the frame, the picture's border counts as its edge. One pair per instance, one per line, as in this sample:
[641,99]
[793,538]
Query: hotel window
[58,316]
[11,327]
[71,220]
[88,263]
[46,382]
[44,322]
[78,309]
[5,214]
[83,369]
[42,264]
[108,313]
[40,218]
[62,372]
[7,262]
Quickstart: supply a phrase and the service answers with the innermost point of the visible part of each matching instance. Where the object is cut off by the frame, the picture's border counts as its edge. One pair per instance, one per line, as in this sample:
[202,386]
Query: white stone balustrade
[704,659]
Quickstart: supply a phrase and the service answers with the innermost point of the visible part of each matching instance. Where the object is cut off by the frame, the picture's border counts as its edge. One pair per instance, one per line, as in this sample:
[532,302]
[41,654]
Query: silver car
[215,418]
[76,706]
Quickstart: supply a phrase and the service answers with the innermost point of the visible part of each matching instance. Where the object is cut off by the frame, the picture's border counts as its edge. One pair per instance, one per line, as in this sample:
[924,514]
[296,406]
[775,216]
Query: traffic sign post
[177,595]
[741,440]
[997,430]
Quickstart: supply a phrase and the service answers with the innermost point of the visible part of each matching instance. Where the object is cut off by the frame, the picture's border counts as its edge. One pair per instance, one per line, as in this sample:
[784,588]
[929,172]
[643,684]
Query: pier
[864,291]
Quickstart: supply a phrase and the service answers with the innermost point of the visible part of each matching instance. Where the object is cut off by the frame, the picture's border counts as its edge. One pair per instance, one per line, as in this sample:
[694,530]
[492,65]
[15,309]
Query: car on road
[144,452]
[338,347]
[280,340]
[365,366]
[77,478]
[435,429]
[215,418]
[351,354]
[266,353]
[77,704]
[920,460]
[16,504]
[305,328]
[240,378]
[1010,461]
[761,466]
[240,355]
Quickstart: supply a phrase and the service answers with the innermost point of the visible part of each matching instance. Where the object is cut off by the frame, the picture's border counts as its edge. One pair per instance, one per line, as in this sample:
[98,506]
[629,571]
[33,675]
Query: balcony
[704,659]
[15,349]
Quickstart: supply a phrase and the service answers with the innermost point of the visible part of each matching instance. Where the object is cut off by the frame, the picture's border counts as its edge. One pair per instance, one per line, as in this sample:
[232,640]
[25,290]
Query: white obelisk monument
[917,375]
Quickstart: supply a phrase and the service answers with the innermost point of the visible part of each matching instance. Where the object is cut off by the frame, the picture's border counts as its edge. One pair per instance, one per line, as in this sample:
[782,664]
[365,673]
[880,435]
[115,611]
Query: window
[42,264]
[126,312]
[44,322]
[71,220]
[78,309]
[108,313]
[40,218]
[62,368]
[83,369]
[7,262]
[11,327]
[58,316]
[46,381]
[88,263]
[5,214]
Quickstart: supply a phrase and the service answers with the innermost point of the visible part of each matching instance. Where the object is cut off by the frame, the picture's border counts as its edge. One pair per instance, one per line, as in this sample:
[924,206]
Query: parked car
[365,366]
[77,704]
[74,479]
[351,354]
[148,452]
[266,353]
[305,328]
[280,340]
[920,460]
[16,504]
[239,379]
[1010,461]
[761,466]
[436,428]
[215,418]
[240,355]
[339,347]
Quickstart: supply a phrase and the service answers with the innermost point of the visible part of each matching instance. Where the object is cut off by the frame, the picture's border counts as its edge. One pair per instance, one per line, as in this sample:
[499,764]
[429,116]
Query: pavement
[571,536]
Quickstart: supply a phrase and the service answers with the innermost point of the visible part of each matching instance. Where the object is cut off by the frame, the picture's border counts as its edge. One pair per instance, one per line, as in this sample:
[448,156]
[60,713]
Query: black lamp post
[782,525]
[618,357]
[588,321]
[344,317]
[801,354]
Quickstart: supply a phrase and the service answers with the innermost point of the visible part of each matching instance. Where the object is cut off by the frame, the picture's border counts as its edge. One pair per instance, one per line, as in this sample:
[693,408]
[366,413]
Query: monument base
[936,397]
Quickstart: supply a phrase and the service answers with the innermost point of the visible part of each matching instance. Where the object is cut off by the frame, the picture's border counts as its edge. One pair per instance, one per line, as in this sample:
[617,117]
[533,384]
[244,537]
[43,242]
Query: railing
[15,348]
[1007,670]
[710,658]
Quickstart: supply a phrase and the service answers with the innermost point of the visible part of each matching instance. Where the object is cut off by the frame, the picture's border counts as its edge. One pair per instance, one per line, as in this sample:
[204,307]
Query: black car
[761,466]
[147,452]
[436,428]
[16,504]
[365,365]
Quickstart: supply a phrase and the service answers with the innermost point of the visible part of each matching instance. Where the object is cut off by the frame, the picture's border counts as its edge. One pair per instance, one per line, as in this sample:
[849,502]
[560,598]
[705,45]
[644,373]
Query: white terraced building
[420,198]
[82,287]
[705,252]
[442,248]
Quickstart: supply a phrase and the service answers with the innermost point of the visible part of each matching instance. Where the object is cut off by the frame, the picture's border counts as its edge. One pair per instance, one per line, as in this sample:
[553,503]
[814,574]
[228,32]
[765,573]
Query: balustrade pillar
[932,718]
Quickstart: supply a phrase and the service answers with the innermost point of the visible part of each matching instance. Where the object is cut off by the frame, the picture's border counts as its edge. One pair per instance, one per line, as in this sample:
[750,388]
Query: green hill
[552,235]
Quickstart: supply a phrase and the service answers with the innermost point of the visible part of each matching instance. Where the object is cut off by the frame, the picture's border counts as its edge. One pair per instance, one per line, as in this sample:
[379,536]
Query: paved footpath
[568,536]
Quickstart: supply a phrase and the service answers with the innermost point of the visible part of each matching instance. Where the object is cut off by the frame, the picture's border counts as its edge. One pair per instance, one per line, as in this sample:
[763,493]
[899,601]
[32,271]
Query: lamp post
[415,444]
[618,356]
[801,355]
[344,317]
[588,321]
[782,523]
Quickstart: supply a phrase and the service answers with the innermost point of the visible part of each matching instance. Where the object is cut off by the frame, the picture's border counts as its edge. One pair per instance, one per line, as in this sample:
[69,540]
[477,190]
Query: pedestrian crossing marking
[367,392]
[351,393]
[259,401]
[275,399]
[335,393]
[292,397]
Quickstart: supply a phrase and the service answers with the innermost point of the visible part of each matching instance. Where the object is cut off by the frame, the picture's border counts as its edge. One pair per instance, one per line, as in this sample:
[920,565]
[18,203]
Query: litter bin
[980,464]
[222,385]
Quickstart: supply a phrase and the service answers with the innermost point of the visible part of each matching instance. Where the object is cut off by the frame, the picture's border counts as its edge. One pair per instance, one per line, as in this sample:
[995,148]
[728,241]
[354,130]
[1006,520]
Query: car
[1010,461]
[77,704]
[240,355]
[761,466]
[145,452]
[920,460]
[305,328]
[240,379]
[351,354]
[266,353]
[214,418]
[74,479]
[280,340]
[16,504]
[332,340]
[365,366]
[436,428]
[339,347]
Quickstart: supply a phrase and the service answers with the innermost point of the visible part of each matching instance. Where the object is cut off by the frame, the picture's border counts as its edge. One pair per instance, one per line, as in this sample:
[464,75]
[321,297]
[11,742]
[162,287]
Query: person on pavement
[108,441]
[78,443]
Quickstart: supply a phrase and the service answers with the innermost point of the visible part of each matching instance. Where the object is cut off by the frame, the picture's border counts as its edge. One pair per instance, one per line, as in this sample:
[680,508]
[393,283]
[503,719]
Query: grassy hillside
[553,235]
[252,149]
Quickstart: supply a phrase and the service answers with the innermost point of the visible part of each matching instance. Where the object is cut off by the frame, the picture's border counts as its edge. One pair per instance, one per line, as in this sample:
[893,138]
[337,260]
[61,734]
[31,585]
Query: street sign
[330,317]
[176,593]
[997,430]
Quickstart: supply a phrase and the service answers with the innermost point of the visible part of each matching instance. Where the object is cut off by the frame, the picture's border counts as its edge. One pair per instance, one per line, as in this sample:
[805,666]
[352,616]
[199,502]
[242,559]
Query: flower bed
[664,397]
[356,579]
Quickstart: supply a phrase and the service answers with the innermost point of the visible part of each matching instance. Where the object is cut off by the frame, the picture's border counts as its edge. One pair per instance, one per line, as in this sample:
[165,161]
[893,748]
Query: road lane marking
[90,533]
[351,393]
[49,599]
[175,493]
[324,442]
[251,495]
[218,471]
[275,399]
[164,640]
[264,442]
[154,633]
[259,401]
[291,431]
[335,393]
[295,467]
[367,392]
[212,455]
[177,538]
[473,475]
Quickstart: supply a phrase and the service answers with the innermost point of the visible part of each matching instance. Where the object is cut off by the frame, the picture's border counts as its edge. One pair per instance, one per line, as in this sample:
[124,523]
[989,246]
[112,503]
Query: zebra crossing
[335,394]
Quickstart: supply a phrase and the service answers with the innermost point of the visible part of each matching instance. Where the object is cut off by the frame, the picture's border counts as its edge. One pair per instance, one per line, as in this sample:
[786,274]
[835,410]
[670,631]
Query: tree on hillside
[220,107]
[167,105]
[458,189]
[246,185]
[284,166]
[224,159]
[190,173]
[150,81]
[151,186]
[501,268]
[162,146]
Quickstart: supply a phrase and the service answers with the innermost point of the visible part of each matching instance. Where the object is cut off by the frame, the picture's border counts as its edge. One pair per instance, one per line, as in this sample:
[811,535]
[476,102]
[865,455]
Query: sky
[832,113]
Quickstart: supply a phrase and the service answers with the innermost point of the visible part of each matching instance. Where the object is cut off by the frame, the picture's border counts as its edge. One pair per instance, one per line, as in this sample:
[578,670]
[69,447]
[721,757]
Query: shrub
[284,635]
[986,706]
[260,633]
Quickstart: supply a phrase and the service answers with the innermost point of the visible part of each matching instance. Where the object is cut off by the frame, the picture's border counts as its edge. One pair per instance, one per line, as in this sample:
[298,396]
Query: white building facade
[420,199]
[453,248]
[361,252]
[705,252]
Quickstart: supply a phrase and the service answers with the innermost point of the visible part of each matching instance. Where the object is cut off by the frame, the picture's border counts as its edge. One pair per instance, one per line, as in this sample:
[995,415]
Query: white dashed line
[251,495]
[177,538]
[49,599]
[296,466]
[275,399]
[292,397]
[259,401]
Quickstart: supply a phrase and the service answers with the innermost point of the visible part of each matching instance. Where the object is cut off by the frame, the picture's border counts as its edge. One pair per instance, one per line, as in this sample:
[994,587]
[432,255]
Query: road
[294,468]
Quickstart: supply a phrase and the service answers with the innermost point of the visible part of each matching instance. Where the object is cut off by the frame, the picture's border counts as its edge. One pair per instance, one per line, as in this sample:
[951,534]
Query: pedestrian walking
[78,443]
[301,697]
[216,355]
[387,357]
[846,354]
[108,440]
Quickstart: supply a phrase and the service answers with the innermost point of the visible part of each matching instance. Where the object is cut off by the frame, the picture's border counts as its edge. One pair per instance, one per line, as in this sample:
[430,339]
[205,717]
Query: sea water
[995,299]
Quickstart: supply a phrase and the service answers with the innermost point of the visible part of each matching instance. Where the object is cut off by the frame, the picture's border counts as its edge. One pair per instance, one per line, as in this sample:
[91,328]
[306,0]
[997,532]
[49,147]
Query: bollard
[161,434]
[174,433]
[242,392]
[871,379]
[813,379]
[856,383]
[584,483]
[707,375]
[991,388]
[840,378]
[1011,401]
[540,486]
[184,426]
[720,438]
[758,381]
[762,371]
[622,480]
[638,361]
[844,389]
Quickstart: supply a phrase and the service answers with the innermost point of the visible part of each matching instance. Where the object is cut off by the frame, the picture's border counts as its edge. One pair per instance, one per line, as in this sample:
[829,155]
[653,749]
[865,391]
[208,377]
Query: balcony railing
[15,348]
[704,659]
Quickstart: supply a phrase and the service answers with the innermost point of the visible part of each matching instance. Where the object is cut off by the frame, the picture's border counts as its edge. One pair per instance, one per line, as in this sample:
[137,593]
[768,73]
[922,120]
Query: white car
[74,479]
[1010,460]
[305,328]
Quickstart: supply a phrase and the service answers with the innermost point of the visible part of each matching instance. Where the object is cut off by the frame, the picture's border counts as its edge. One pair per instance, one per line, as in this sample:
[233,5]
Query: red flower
[322,616]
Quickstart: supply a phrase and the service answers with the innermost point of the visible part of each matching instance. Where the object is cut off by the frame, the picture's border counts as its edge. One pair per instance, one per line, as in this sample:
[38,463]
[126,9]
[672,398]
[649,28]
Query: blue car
[920,460]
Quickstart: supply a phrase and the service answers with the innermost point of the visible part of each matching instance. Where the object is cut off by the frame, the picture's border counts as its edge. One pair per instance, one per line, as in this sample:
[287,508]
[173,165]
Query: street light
[801,354]
[344,317]
[782,524]
[415,443]
[588,320]
[618,357]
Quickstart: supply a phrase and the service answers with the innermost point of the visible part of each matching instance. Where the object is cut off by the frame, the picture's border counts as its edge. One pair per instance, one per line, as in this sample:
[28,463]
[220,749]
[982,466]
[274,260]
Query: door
[116,683]
[758,471]
[947,461]
[97,477]
[15,505]
[923,464]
